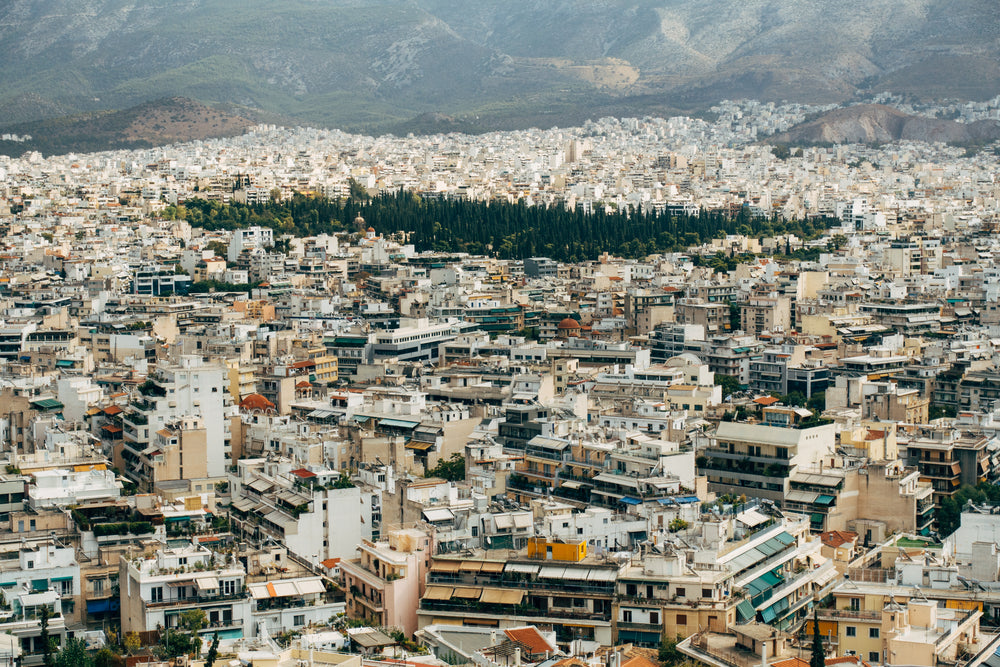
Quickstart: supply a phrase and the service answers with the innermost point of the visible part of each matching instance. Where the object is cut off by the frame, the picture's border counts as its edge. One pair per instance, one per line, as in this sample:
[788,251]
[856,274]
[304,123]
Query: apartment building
[758,460]
[156,589]
[385,584]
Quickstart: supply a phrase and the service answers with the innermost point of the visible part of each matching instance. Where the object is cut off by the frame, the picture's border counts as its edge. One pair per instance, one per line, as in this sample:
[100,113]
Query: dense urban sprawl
[254,444]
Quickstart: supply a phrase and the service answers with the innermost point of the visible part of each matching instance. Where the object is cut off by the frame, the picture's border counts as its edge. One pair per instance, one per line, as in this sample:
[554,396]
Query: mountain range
[388,65]
[877,123]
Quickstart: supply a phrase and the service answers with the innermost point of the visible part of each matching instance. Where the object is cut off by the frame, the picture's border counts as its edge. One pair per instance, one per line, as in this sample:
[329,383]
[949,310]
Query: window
[851,631]
[67,587]
[654,618]
[98,585]
[626,615]
[872,633]
[873,656]
[682,619]
[156,594]
[680,592]
[299,619]
[228,586]
[855,604]
[31,565]
[706,592]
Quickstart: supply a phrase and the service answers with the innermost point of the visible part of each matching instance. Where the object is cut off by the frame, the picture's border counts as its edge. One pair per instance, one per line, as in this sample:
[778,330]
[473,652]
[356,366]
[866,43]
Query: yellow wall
[538,547]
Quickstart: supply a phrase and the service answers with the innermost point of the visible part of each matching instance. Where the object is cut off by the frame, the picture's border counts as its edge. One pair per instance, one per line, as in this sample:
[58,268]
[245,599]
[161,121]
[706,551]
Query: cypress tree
[818,656]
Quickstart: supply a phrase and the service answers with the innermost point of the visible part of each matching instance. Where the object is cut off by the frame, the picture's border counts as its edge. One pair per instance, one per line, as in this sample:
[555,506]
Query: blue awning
[686,499]
[825,500]
[61,579]
[631,501]
[64,363]
[99,606]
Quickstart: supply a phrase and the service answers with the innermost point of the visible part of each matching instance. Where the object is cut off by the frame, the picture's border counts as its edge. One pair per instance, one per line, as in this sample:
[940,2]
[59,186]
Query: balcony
[477,608]
[714,452]
[136,418]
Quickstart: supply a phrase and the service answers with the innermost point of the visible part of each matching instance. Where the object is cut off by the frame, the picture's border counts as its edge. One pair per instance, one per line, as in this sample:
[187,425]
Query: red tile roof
[836,538]
[765,400]
[530,638]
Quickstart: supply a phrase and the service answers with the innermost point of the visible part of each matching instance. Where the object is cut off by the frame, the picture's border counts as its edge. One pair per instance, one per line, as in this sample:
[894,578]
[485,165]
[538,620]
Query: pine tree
[818,657]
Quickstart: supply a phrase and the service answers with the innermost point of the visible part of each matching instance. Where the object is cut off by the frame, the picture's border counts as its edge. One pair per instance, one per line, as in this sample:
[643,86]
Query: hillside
[376,64]
[875,123]
[155,123]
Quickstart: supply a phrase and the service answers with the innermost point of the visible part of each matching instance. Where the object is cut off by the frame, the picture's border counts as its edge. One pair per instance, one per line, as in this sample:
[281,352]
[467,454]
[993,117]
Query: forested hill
[509,231]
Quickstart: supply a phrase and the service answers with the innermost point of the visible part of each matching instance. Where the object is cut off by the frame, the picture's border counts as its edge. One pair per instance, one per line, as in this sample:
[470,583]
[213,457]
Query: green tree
[668,654]
[218,247]
[74,654]
[48,642]
[213,651]
[452,469]
[357,192]
[817,402]
[937,411]
[105,657]
[730,385]
[817,657]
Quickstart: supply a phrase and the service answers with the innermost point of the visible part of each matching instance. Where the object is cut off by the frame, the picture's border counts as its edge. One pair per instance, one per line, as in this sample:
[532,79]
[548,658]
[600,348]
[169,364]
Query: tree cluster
[949,515]
[506,230]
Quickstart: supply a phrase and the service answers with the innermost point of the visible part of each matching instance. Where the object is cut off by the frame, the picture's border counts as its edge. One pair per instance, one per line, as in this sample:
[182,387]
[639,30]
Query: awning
[503,521]
[570,485]
[99,606]
[440,514]
[61,579]
[492,596]
[816,517]
[399,423]
[284,589]
[207,584]
[47,404]
[825,500]
[512,597]
[631,501]
[470,566]
[64,363]
[492,567]
[39,585]
[259,591]
[751,518]
[522,568]
[419,446]
[438,593]
[446,566]
[310,586]
[745,612]
[467,593]
[785,538]
[548,572]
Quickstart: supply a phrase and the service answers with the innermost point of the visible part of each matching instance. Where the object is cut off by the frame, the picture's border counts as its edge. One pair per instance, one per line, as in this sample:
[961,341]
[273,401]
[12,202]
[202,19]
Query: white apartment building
[190,388]
[155,590]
